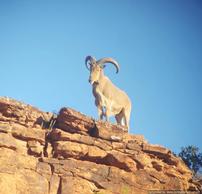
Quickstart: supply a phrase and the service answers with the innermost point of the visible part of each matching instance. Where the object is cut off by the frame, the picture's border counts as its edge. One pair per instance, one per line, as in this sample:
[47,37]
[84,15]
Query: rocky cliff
[75,154]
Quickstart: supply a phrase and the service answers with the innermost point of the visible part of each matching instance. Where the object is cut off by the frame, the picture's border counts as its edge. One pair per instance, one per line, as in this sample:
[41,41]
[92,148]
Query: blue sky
[157,43]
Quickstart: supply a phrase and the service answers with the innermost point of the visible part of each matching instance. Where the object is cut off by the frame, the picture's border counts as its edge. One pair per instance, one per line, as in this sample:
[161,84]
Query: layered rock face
[74,154]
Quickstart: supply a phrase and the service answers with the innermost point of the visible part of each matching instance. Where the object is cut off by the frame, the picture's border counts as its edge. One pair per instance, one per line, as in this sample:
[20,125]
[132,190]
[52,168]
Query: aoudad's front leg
[107,113]
[100,113]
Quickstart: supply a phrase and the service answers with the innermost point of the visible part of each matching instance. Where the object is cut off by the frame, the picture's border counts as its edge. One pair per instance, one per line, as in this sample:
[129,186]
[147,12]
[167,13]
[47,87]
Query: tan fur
[109,99]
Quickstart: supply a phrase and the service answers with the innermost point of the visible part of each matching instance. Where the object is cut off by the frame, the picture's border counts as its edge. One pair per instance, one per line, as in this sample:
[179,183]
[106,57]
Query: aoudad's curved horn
[90,59]
[102,61]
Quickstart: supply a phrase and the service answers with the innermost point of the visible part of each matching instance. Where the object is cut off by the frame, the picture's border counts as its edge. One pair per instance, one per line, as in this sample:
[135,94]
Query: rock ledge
[74,154]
